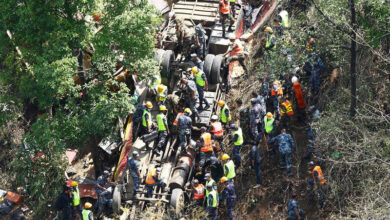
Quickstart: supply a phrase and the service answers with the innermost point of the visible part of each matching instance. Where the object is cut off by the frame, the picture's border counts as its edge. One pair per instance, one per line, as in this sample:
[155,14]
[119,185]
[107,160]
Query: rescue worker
[255,162]
[199,192]
[184,125]
[229,194]
[286,145]
[199,173]
[224,14]
[299,99]
[200,39]
[192,96]
[243,116]
[137,119]
[152,180]
[198,62]
[87,213]
[283,16]
[76,206]
[286,111]
[161,96]
[163,129]
[238,140]
[224,115]
[205,146]
[255,120]
[270,42]
[316,181]
[233,7]
[264,89]
[64,202]
[216,130]
[101,184]
[276,94]
[202,86]
[261,101]
[147,119]
[278,27]
[212,203]
[269,128]
[135,173]
[293,211]
[209,181]
[183,39]
[215,167]
[228,168]
[236,51]
[174,106]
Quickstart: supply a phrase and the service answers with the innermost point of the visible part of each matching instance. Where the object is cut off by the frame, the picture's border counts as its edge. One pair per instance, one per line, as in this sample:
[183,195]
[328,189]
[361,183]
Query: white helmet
[158,169]
[214,117]
[294,79]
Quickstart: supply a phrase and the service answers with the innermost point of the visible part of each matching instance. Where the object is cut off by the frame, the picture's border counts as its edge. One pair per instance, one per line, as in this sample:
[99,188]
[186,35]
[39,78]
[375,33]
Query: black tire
[116,199]
[177,201]
[158,56]
[167,59]
[208,62]
[216,70]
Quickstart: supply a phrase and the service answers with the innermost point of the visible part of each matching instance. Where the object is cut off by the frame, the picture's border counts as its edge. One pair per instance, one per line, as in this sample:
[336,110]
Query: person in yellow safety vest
[224,114]
[205,146]
[286,111]
[163,130]
[229,169]
[283,14]
[212,203]
[269,128]
[233,7]
[316,181]
[201,85]
[152,180]
[236,51]
[199,192]
[87,213]
[270,43]
[76,206]
[156,80]
[146,127]
[216,130]
[238,140]
[162,92]
[209,181]
[224,14]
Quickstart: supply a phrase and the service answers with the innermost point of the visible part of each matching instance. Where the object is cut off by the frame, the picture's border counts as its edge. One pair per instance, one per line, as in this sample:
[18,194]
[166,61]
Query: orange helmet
[160,88]
[149,104]
[269,115]
[221,103]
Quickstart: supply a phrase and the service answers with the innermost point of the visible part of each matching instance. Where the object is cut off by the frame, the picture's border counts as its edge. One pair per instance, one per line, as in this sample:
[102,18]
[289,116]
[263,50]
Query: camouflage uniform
[184,39]
[244,121]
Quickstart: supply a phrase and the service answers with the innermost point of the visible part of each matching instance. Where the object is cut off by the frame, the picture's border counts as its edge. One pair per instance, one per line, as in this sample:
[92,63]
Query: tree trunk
[353,60]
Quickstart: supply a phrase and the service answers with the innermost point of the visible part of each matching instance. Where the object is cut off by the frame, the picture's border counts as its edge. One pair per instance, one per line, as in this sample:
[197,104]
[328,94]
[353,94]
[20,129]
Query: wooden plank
[196,18]
[202,4]
[197,8]
[196,13]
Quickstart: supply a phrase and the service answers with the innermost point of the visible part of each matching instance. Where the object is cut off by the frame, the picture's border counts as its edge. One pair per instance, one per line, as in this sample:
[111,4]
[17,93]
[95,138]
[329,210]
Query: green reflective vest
[199,79]
[149,123]
[85,214]
[234,1]
[212,182]
[240,139]
[230,166]
[270,38]
[161,96]
[156,80]
[214,194]
[76,197]
[222,115]
[161,122]
[284,15]
[268,124]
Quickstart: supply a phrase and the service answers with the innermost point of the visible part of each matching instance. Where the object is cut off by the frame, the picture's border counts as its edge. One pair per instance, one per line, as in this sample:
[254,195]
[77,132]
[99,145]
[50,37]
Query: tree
[60,113]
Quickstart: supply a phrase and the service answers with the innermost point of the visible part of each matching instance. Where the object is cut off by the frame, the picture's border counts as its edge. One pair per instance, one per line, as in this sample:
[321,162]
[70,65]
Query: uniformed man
[316,181]
[161,96]
[212,203]
[76,206]
[286,112]
[198,192]
[101,184]
[198,62]
[293,211]
[163,129]
[243,116]
[135,173]
[137,119]
[286,145]
[224,114]
[199,173]
[255,121]
[191,97]
[255,162]
[174,106]
[200,39]
[202,86]
[236,51]
[146,127]
[87,213]
[264,89]
[224,14]
[205,146]
[184,129]
[215,167]
[229,169]
[210,181]
[216,130]
[238,141]
[269,129]
[152,180]
[229,194]
[271,40]
[184,39]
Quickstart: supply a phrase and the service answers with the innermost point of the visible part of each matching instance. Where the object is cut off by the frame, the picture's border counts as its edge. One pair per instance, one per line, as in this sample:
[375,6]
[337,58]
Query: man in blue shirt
[133,164]
[255,162]
[293,211]
[184,129]
[286,145]
[229,194]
